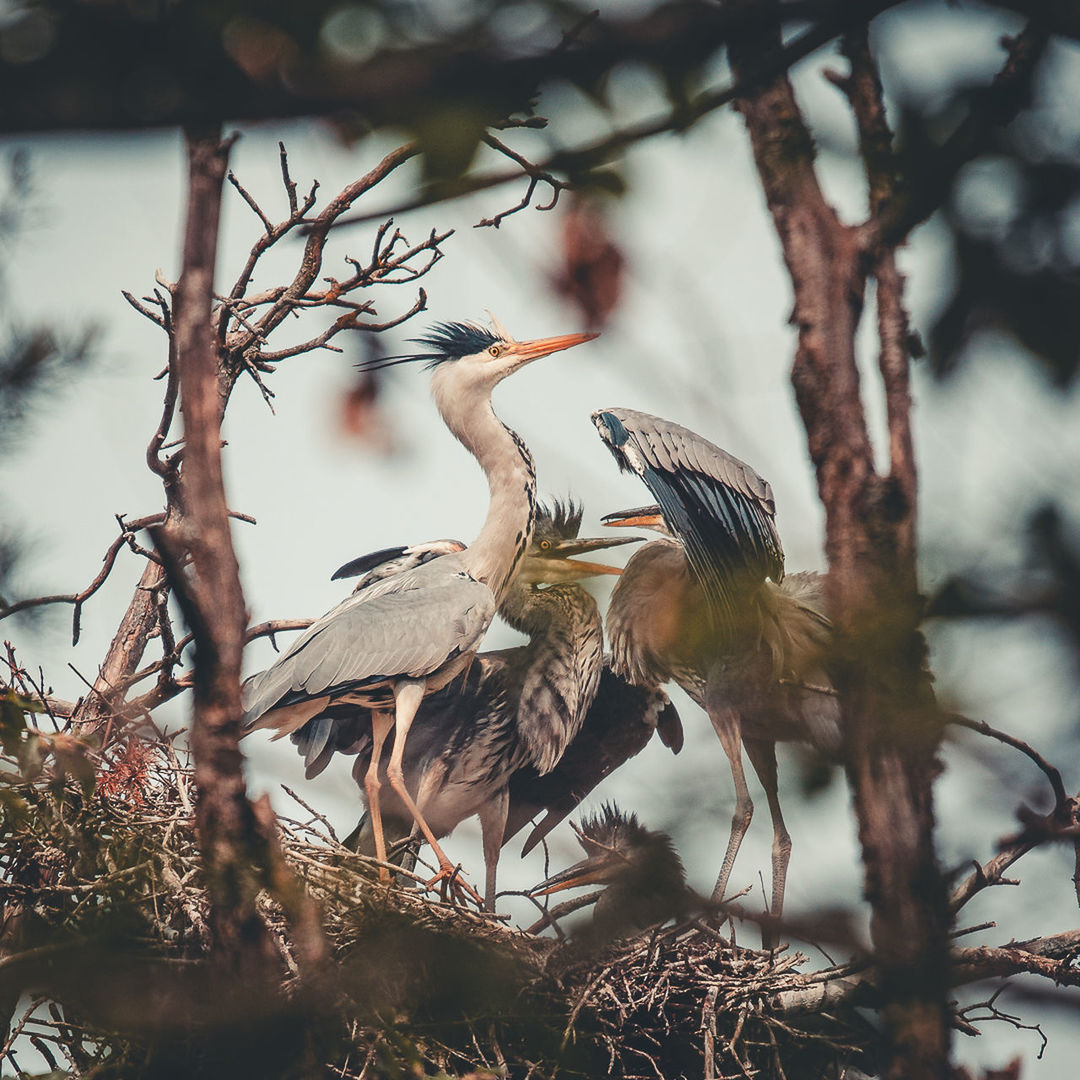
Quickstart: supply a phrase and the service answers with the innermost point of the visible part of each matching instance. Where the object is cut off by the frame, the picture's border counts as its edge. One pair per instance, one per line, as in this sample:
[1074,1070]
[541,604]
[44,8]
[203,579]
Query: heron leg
[725,722]
[381,723]
[493,816]
[762,755]
[408,694]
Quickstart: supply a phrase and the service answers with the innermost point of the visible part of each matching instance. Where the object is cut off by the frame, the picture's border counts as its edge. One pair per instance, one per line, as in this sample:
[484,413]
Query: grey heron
[619,724]
[646,882]
[516,709]
[710,608]
[389,645]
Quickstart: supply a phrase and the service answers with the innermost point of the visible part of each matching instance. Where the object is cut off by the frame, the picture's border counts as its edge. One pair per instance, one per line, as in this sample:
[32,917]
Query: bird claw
[453,888]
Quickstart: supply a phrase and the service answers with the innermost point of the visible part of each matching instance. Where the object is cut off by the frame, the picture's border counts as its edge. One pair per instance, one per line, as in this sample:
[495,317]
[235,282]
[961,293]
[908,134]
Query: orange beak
[590,569]
[533,350]
[643,517]
[585,872]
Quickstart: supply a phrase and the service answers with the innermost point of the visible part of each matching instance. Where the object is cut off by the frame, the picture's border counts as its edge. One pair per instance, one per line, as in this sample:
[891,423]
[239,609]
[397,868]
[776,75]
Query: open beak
[559,555]
[641,517]
[587,872]
[526,351]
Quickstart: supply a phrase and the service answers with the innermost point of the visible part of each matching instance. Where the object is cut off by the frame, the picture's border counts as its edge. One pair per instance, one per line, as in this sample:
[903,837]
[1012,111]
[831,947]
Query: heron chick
[646,882]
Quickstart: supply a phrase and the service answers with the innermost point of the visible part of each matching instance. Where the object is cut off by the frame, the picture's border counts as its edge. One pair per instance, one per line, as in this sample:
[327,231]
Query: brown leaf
[591,276]
[361,417]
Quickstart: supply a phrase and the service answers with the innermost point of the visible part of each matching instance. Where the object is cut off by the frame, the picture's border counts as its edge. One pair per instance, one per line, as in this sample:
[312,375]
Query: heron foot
[453,888]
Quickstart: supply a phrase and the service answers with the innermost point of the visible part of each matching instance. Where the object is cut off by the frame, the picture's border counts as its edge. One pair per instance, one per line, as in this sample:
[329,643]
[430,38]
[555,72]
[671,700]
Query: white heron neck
[494,555]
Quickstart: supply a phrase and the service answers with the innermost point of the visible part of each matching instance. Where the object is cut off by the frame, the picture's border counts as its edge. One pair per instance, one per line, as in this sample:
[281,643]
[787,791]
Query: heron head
[555,541]
[618,848]
[469,355]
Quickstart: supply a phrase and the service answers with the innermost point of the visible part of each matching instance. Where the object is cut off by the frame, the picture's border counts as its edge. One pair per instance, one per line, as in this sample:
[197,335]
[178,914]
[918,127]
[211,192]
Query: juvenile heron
[390,644]
[646,883]
[515,708]
[710,608]
[619,724]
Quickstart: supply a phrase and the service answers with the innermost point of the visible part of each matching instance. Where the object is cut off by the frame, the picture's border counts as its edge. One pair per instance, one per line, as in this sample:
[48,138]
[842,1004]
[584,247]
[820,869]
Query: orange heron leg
[381,723]
[408,694]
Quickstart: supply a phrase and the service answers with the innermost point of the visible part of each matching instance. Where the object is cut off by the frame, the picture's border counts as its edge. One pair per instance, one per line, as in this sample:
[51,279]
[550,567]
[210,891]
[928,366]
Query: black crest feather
[453,340]
[557,521]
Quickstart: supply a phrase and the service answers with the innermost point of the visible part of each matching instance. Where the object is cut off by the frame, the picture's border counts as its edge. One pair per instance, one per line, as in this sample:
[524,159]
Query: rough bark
[125,652]
[209,589]
[891,734]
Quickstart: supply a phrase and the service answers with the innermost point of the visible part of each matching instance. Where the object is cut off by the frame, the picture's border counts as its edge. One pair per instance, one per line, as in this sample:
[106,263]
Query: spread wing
[618,725]
[719,507]
[408,625]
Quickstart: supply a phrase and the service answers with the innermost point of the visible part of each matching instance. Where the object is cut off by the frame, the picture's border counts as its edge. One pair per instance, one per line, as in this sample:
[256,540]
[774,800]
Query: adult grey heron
[515,709]
[709,607]
[646,883]
[389,645]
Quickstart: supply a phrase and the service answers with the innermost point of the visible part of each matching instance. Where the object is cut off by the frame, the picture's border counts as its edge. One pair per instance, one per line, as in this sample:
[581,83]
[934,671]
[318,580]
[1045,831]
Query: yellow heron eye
[495,350]
[545,544]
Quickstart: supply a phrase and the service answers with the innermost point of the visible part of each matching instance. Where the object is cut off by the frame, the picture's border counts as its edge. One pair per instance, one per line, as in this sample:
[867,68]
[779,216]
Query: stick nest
[107,968]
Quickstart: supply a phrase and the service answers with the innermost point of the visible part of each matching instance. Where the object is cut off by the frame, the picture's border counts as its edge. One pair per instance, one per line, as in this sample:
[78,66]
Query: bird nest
[106,968]
[689,1001]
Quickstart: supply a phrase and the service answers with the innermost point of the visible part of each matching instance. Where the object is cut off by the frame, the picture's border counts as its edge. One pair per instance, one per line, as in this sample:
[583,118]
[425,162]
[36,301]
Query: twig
[128,530]
[1053,776]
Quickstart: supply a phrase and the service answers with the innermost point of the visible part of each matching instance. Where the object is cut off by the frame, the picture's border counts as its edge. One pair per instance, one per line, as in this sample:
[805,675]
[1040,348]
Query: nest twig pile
[106,972]
[689,1001]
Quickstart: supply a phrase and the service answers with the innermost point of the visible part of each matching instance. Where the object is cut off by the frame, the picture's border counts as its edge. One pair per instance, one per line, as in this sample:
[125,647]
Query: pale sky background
[701,337]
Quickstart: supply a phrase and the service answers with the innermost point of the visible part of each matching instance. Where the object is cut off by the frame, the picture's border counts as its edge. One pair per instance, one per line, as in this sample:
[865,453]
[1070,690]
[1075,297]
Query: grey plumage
[719,507]
[403,637]
[514,709]
[620,723]
[413,624]
[391,561]
[710,608]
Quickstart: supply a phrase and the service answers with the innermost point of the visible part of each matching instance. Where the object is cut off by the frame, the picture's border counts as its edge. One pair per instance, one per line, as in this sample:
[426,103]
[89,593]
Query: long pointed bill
[586,872]
[526,351]
[558,556]
[568,548]
[641,517]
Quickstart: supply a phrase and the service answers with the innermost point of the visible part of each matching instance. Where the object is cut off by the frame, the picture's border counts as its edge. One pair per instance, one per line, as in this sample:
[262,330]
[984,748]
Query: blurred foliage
[35,360]
[1047,583]
[1013,209]
[443,71]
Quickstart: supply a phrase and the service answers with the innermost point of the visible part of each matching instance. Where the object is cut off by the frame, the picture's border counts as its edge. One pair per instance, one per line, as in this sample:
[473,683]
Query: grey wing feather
[718,506]
[619,724]
[408,625]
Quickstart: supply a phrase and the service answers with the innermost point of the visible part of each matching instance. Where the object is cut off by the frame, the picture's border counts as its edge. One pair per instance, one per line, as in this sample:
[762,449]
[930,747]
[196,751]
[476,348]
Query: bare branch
[287,180]
[1053,776]
[992,109]
[126,536]
[890,734]
[588,156]
[246,196]
[142,309]
[535,176]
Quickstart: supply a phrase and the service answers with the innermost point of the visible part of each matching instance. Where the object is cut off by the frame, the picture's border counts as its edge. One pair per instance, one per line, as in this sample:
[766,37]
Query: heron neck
[494,555]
